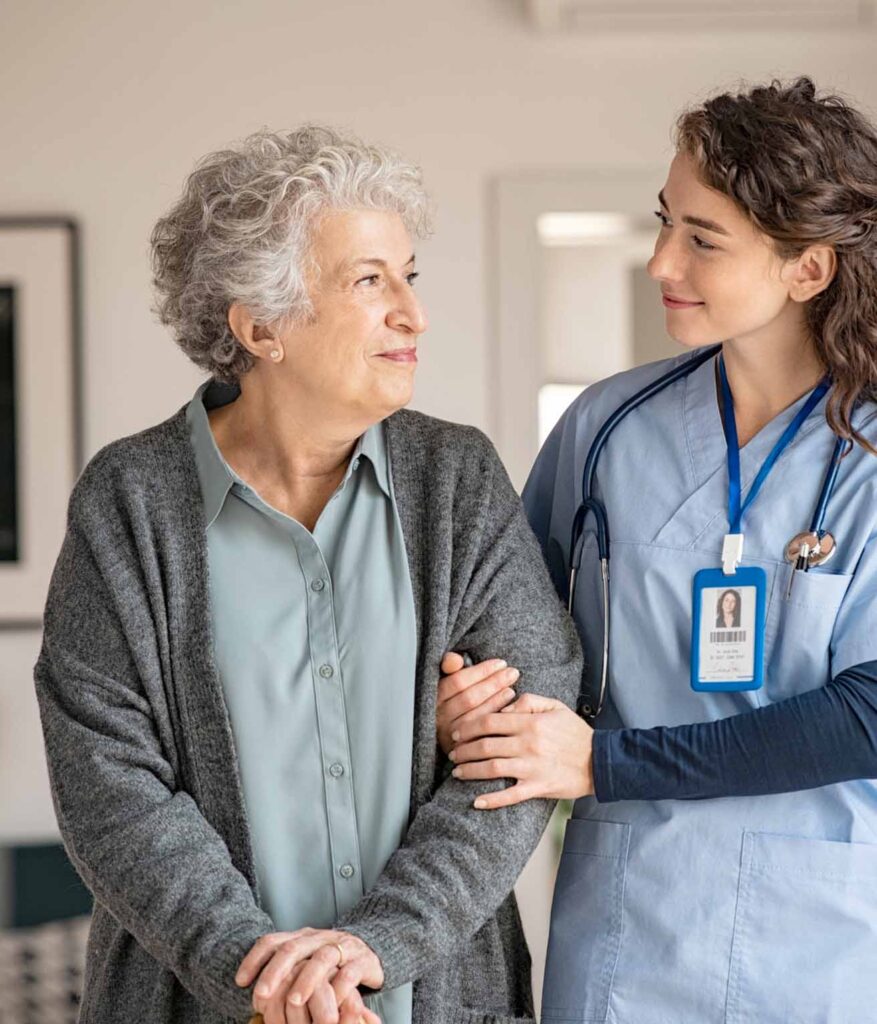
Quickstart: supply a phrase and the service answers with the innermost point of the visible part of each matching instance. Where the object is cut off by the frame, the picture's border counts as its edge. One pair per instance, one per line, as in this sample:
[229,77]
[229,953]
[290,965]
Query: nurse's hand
[538,741]
[468,693]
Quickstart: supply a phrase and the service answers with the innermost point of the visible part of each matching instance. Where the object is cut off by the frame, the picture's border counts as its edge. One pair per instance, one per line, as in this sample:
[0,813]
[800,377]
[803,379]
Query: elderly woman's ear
[259,340]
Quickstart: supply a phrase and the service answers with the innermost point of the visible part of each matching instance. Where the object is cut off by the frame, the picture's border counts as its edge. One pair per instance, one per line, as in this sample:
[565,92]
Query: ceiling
[588,16]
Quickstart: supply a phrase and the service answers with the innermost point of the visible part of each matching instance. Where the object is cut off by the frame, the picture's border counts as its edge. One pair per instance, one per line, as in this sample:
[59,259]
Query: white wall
[586,308]
[586,313]
[106,104]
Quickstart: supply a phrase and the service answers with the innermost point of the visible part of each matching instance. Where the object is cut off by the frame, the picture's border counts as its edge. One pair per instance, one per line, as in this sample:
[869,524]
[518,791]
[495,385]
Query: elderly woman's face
[360,350]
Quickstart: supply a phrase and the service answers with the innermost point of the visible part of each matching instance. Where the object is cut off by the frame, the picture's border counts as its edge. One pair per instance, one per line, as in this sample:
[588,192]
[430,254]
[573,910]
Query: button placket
[333,732]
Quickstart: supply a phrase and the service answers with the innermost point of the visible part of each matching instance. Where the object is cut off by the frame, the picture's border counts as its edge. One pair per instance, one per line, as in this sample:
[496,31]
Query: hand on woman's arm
[465,694]
[817,738]
[540,742]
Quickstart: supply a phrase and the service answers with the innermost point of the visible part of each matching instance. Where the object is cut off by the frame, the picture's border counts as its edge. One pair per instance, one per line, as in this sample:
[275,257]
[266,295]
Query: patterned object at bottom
[41,972]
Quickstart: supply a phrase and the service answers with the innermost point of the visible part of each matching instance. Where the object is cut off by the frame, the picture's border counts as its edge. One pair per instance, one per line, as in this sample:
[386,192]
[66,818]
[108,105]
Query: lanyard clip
[732,553]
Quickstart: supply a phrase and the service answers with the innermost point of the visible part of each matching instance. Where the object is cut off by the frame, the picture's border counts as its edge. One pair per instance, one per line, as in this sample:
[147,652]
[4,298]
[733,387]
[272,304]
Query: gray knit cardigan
[141,754]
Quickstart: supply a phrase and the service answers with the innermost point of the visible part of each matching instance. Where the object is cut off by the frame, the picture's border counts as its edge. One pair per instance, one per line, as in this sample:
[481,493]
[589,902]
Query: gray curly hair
[241,230]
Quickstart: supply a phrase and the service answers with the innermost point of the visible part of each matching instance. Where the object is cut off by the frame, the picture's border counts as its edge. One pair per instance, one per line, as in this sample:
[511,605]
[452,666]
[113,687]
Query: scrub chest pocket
[589,888]
[799,626]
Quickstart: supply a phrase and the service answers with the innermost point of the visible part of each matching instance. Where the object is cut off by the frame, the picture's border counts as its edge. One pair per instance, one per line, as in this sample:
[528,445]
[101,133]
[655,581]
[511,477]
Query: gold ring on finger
[341,958]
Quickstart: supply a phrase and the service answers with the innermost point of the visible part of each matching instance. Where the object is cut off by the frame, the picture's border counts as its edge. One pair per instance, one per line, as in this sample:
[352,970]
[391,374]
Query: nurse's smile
[672,302]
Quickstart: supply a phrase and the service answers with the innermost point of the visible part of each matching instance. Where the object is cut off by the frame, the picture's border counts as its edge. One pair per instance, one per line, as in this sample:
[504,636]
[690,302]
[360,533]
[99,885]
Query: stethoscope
[810,548]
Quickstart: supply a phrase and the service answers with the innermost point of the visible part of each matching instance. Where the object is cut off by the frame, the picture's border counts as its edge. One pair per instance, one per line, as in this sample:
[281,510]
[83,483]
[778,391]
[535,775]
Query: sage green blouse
[315,645]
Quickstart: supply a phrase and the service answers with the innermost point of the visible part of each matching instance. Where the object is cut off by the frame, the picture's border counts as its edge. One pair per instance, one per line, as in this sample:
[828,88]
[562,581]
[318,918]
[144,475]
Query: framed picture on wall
[40,431]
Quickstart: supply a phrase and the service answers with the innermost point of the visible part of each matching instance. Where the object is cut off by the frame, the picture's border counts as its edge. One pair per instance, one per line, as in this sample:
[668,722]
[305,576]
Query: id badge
[727,637]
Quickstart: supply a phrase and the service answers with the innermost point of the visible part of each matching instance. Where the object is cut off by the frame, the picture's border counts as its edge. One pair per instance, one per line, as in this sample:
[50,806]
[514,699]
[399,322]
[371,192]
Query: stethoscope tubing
[589,502]
[597,509]
[817,523]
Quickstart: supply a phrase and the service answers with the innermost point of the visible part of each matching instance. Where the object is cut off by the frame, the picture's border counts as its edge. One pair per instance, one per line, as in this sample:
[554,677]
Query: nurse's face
[729,603]
[720,277]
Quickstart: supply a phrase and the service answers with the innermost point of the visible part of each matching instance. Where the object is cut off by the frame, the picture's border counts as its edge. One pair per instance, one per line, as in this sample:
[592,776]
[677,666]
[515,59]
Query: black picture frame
[46,461]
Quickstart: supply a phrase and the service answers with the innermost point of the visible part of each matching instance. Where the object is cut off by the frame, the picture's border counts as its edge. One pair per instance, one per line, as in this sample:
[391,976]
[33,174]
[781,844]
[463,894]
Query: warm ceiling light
[583,228]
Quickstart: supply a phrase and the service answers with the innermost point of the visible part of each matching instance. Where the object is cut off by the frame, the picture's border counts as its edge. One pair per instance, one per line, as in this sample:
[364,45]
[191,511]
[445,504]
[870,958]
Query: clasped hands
[311,975]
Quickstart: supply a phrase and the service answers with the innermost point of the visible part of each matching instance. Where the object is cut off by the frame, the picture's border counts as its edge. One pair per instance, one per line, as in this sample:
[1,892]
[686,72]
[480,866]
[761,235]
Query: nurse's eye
[663,218]
[700,243]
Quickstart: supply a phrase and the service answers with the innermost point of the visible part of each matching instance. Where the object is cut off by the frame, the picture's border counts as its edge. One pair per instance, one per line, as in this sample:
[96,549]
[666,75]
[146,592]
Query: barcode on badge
[728,636]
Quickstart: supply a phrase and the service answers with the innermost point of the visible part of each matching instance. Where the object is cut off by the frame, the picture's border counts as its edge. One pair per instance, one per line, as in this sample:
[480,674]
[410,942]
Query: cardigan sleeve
[135,836]
[456,864]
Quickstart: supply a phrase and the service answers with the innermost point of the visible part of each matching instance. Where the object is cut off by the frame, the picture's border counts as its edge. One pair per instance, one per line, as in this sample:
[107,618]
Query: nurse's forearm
[824,736]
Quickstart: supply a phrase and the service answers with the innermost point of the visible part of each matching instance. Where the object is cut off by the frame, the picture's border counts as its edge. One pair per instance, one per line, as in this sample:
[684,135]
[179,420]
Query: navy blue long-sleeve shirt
[817,738]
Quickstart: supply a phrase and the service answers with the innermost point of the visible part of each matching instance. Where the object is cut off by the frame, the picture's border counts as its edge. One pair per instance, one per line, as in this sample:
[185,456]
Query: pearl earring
[275,353]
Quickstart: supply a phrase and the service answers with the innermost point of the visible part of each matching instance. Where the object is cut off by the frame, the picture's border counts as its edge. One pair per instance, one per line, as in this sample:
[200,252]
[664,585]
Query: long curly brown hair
[803,167]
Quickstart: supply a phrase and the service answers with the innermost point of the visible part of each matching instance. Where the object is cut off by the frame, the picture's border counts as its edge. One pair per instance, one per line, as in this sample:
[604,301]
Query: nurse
[721,861]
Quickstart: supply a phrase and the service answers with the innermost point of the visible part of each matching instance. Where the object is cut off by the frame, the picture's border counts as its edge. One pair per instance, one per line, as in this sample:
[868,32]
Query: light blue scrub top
[755,910]
[315,645]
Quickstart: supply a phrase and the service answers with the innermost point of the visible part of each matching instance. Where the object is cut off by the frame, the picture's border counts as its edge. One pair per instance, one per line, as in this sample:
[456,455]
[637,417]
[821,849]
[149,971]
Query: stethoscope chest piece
[817,549]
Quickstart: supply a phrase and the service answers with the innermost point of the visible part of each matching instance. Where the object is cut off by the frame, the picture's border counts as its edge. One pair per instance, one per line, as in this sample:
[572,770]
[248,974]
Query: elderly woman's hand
[302,978]
[538,741]
[468,693]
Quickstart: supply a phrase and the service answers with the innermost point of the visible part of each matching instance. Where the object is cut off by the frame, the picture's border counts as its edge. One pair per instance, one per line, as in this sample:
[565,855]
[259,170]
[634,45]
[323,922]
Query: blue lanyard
[737,506]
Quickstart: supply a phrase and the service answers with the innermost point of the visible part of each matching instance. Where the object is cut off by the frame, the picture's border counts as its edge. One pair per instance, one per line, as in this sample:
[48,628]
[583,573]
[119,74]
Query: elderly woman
[242,641]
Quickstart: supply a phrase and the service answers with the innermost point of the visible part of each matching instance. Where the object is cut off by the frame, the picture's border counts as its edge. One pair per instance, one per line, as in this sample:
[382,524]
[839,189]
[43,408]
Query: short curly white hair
[240,232]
